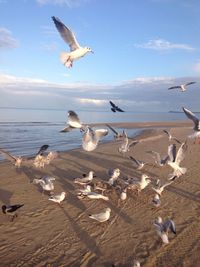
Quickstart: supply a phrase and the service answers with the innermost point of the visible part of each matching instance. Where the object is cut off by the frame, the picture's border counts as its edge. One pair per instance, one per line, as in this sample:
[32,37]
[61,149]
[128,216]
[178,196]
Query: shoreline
[45,234]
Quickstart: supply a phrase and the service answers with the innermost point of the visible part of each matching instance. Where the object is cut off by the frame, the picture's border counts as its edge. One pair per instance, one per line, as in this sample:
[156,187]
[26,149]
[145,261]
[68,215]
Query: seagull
[114,174]
[101,217]
[11,210]
[140,164]
[123,195]
[157,158]
[92,195]
[115,108]
[91,138]
[182,87]
[117,135]
[58,198]
[156,200]
[86,179]
[125,145]
[162,229]
[139,185]
[39,161]
[17,161]
[196,122]
[136,263]
[160,188]
[171,137]
[87,188]
[42,149]
[73,122]
[175,160]
[46,183]
[76,51]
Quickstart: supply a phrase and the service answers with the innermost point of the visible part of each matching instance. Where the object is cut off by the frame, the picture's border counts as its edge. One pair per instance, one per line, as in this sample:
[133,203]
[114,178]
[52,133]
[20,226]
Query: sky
[141,48]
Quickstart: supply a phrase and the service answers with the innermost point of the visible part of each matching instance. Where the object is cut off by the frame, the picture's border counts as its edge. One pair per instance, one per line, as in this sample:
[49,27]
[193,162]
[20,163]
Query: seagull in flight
[162,229]
[182,87]
[115,108]
[171,137]
[117,136]
[92,137]
[76,51]
[73,122]
[160,188]
[140,164]
[126,145]
[175,159]
[196,122]
[17,161]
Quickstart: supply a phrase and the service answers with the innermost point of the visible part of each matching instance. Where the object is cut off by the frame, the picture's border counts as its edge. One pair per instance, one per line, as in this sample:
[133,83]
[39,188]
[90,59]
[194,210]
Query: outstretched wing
[189,83]
[172,152]
[119,109]
[181,153]
[7,155]
[174,87]
[192,117]
[66,34]
[135,160]
[42,149]
[169,225]
[112,104]
[112,129]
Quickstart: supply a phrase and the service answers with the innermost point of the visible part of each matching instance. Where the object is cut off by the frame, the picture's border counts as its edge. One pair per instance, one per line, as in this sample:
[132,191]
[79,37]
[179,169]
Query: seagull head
[88,49]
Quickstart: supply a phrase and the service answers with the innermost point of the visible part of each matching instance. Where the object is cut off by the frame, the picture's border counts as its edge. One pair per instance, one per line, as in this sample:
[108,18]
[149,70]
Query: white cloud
[161,44]
[98,102]
[69,3]
[6,39]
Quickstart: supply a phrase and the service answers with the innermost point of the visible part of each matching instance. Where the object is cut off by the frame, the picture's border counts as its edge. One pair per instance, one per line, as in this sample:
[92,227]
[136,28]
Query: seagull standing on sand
[11,210]
[73,122]
[139,185]
[196,122]
[76,51]
[162,229]
[182,87]
[114,174]
[91,138]
[175,160]
[86,179]
[101,217]
[58,198]
[156,200]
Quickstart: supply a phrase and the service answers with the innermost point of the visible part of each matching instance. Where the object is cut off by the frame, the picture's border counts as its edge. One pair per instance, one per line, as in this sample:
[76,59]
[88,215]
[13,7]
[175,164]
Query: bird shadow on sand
[5,196]
[184,193]
[68,186]
[120,213]
[32,173]
[89,242]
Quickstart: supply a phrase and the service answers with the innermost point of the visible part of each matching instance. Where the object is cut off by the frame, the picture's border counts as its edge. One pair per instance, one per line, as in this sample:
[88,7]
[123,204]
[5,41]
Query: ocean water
[23,131]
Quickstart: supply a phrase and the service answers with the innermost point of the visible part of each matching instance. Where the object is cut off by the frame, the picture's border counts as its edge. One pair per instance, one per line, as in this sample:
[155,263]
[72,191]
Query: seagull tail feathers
[65,59]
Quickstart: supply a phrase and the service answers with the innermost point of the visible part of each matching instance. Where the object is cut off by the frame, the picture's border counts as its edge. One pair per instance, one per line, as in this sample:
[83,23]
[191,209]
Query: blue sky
[140,49]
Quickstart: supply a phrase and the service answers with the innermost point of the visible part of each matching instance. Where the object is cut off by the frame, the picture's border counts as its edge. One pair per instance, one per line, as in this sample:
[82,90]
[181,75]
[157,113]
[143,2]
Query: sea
[24,131]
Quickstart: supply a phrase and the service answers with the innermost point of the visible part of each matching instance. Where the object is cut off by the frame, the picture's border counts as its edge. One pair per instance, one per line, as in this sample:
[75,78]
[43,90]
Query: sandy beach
[45,234]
